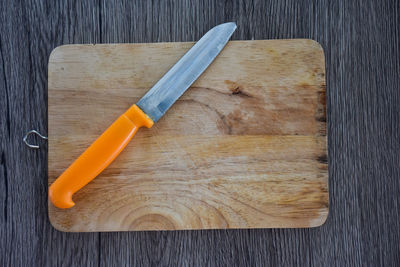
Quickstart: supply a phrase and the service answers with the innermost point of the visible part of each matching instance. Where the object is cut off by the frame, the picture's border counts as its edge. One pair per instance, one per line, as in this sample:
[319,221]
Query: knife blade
[148,110]
[176,81]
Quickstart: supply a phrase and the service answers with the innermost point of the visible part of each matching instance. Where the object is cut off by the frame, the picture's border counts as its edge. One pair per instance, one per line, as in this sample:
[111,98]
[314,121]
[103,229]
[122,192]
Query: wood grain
[245,146]
[360,39]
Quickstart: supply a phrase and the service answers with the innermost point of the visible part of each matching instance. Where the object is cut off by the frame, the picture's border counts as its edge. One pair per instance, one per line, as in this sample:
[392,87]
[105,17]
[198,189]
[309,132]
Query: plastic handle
[97,157]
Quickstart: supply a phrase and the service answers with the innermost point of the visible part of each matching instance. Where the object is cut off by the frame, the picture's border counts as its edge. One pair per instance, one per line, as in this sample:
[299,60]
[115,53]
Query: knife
[150,108]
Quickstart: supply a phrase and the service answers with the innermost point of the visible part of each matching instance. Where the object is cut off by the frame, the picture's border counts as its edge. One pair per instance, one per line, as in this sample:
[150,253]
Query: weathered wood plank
[360,39]
[29,30]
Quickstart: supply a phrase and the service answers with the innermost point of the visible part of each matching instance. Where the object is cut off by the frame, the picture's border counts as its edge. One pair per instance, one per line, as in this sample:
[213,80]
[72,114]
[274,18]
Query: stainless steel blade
[182,75]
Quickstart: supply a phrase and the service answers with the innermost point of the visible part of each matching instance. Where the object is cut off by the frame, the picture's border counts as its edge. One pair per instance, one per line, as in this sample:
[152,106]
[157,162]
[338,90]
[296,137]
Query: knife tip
[228,26]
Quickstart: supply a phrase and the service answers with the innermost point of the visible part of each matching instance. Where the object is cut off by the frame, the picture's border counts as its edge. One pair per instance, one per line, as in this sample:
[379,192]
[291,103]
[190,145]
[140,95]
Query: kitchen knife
[150,108]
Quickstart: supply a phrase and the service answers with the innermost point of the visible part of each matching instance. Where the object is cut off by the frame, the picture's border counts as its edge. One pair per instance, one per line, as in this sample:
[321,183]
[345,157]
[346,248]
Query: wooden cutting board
[245,146]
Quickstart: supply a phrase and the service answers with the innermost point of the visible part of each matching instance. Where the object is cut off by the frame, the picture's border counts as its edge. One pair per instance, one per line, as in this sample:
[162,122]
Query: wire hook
[33,132]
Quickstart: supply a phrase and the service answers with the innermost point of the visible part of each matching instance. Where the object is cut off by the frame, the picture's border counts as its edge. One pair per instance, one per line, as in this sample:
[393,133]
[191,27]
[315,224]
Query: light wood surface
[361,43]
[245,147]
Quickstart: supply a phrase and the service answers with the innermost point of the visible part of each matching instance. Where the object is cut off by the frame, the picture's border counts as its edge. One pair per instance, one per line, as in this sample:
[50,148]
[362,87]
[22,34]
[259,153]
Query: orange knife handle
[97,157]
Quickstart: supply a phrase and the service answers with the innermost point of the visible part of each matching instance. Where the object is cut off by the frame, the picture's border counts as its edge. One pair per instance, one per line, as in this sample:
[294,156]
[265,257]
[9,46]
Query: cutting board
[245,146]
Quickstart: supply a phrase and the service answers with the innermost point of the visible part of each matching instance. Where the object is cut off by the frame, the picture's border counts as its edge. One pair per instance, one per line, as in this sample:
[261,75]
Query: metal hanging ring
[33,132]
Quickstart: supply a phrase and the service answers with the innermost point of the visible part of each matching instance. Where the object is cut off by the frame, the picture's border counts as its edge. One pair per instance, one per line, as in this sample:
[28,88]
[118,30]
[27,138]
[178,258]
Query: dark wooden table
[361,41]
